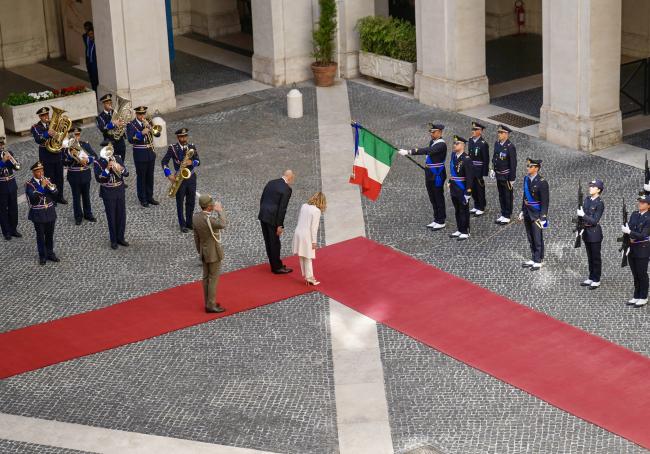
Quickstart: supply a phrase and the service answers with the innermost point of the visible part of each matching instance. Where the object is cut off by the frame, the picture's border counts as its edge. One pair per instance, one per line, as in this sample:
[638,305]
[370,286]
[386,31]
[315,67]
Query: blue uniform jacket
[539,191]
[640,234]
[7,176]
[479,152]
[142,150]
[465,174]
[504,161]
[176,153]
[436,154]
[104,124]
[39,131]
[593,209]
[41,202]
[78,174]
[111,186]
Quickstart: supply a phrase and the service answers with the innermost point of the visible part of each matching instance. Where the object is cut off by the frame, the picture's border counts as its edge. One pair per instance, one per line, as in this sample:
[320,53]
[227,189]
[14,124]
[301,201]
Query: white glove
[492,175]
[467,197]
[625,229]
[580,212]
[521,216]
[403,152]
[646,187]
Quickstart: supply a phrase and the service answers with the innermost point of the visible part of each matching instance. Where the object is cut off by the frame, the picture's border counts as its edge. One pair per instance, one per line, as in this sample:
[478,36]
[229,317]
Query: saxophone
[61,125]
[183,173]
[124,112]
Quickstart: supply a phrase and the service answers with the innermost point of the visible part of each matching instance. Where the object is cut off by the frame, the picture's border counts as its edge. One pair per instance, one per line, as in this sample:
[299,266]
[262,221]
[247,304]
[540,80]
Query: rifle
[624,240]
[579,221]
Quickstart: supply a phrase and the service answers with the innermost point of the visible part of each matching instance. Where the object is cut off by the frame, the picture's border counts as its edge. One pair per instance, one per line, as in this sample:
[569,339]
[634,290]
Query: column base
[586,134]
[282,71]
[159,97]
[349,65]
[451,94]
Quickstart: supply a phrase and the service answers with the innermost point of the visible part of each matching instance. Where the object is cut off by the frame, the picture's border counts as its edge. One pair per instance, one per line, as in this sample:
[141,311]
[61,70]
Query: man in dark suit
[273,207]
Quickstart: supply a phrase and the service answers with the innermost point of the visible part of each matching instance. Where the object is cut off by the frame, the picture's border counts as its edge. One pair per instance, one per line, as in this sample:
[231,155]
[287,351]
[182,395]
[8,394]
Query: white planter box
[21,118]
[2,128]
[397,72]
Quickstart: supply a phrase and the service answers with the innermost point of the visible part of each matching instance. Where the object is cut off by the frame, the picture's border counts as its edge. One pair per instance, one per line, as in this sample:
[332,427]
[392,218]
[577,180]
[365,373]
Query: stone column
[349,12]
[214,18]
[22,28]
[53,31]
[582,57]
[451,53]
[132,53]
[282,41]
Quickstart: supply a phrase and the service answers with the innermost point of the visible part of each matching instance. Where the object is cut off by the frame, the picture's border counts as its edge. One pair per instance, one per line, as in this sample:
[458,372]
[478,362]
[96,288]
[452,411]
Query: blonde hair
[318,200]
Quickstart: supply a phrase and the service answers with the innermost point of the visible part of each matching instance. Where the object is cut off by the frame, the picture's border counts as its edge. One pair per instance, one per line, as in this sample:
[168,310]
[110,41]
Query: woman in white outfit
[306,235]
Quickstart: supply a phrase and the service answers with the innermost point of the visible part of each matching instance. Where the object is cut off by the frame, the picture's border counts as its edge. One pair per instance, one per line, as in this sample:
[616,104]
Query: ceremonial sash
[435,168]
[530,201]
[460,181]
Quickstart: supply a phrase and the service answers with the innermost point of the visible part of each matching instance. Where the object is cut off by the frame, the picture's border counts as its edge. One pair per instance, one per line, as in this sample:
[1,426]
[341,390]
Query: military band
[140,134]
[106,126]
[52,161]
[534,212]
[504,169]
[109,173]
[592,234]
[461,179]
[78,157]
[479,152]
[8,193]
[185,159]
[41,194]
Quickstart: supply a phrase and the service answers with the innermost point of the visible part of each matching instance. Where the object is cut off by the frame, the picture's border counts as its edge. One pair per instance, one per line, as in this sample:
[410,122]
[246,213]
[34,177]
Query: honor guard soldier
[461,177]
[109,173]
[52,162]
[638,227]
[592,234]
[140,135]
[504,169]
[106,127]
[534,209]
[479,152]
[435,174]
[78,157]
[8,193]
[41,193]
[184,156]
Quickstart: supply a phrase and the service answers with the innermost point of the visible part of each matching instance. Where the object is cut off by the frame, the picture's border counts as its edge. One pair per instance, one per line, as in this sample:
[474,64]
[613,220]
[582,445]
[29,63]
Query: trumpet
[46,183]
[154,130]
[107,153]
[3,156]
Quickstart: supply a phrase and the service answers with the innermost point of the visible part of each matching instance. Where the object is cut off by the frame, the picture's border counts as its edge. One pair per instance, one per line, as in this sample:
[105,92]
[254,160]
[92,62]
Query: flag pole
[357,125]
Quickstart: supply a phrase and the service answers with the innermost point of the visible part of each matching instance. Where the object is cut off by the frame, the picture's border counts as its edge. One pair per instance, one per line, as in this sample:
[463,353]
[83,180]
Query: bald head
[289,176]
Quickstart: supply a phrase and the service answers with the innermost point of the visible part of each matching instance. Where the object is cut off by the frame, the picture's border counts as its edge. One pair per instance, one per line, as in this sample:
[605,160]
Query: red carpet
[580,373]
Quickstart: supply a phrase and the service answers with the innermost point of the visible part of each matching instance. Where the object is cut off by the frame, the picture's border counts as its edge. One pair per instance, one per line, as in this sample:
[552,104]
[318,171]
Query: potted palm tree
[324,68]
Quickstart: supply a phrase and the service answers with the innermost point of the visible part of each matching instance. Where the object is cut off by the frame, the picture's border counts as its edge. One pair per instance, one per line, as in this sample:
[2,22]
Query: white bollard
[161,141]
[294,103]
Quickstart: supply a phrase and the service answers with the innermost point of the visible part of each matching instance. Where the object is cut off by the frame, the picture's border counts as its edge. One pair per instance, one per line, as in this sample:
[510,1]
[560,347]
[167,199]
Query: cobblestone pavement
[435,399]
[259,380]
[190,73]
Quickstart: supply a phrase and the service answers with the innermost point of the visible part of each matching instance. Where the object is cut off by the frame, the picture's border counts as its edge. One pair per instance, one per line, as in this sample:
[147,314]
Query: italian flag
[372,160]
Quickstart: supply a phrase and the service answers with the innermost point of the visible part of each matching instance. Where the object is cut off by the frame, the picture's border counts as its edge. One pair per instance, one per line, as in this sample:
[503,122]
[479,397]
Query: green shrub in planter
[323,35]
[394,38]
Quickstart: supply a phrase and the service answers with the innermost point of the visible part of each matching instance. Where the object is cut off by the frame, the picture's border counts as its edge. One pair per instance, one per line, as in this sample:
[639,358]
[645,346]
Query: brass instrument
[75,150]
[183,173]
[154,130]
[12,160]
[46,183]
[108,154]
[123,112]
[61,125]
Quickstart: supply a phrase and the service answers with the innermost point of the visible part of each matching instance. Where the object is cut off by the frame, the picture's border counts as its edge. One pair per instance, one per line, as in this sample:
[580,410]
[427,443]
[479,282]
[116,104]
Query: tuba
[123,112]
[183,173]
[61,125]
[107,153]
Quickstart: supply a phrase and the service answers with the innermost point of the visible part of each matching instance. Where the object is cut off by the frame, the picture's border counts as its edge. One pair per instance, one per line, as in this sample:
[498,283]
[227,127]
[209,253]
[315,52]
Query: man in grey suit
[207,237]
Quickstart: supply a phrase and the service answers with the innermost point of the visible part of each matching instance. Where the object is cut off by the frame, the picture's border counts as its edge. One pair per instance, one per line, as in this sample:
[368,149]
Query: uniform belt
[639,241]
[42,207]
[589,225]
[140,147]
[437,165]
[502,172]
[111,185]
[9,178]
[77,169]
[457,178]
[477,163]
[532,204]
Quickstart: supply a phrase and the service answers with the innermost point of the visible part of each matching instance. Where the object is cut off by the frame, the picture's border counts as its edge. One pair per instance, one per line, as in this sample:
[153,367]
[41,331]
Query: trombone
[154,130]
[3,155]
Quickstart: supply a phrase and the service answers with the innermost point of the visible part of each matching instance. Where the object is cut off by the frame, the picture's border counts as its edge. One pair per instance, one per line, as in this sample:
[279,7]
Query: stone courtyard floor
[264,380]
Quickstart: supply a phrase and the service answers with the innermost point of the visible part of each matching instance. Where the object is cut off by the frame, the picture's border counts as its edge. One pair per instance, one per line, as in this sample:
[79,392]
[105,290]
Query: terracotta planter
[324,75]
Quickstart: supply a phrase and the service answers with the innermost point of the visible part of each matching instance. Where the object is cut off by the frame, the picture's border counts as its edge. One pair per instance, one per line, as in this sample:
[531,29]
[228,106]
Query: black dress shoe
[17,235]
[122,242]
[283,270]
[77,221]
[91,219]
[7,237]
[41,261]
[62,201]
[154,202]
[215,310]
[189,227]
[113,245]
[53,258]
[184,229]
[144,204]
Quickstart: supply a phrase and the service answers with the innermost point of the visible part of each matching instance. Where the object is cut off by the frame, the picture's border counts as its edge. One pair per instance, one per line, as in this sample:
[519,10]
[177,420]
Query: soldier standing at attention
[638,228]
[479,152]
[591,211]
[534,209]
[504,168]
[435,174]
[461,177]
